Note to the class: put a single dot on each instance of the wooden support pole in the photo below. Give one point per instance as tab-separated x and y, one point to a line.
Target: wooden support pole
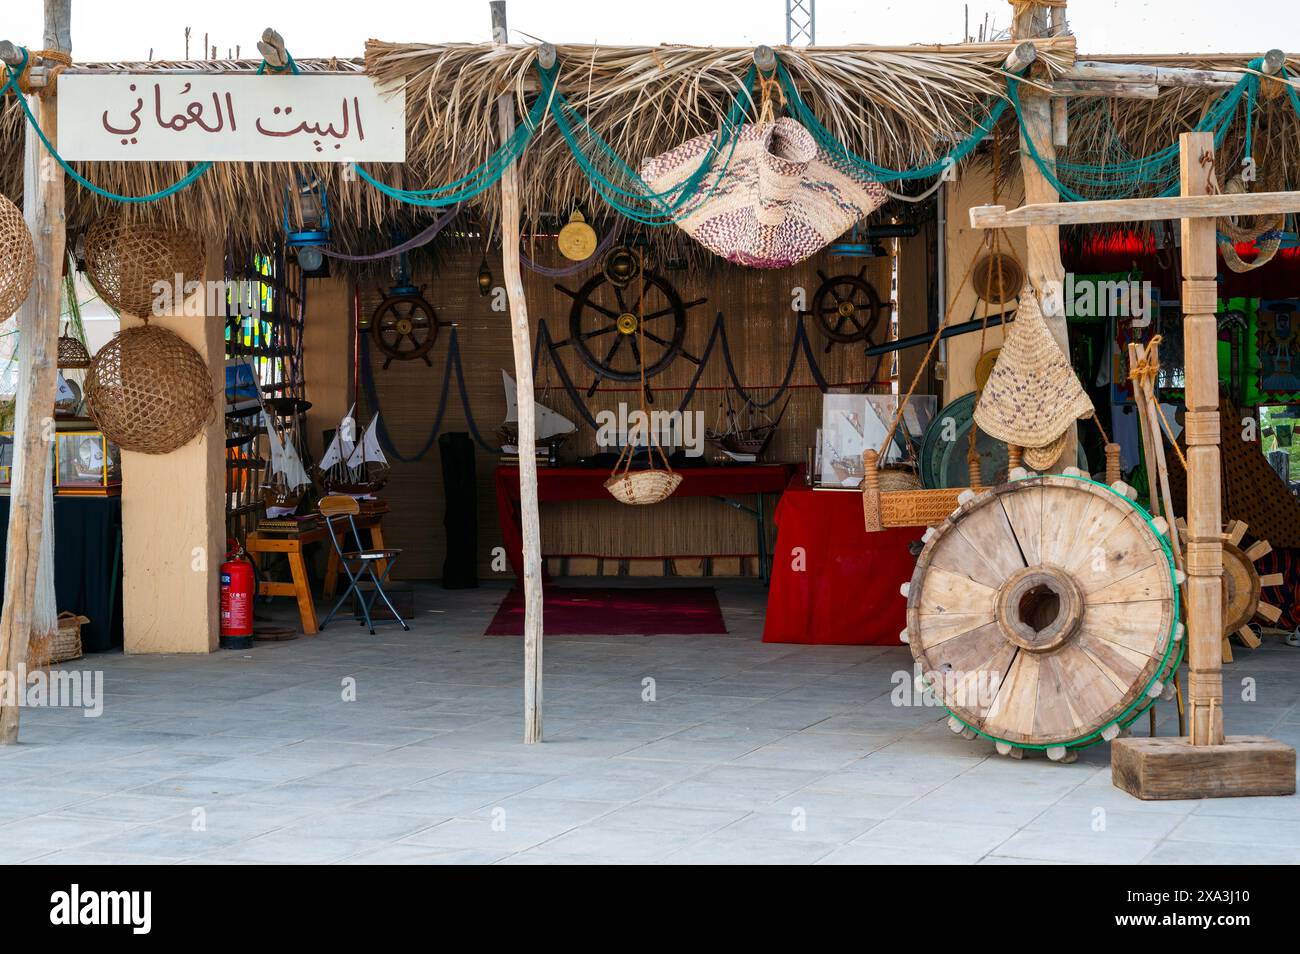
523	350
1204	516
1134	210
1043	243
38	320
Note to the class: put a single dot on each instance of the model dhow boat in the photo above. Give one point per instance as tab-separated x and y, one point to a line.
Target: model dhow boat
357	469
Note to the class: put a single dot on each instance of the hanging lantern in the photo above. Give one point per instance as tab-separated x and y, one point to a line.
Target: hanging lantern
72	354
309	230
484	278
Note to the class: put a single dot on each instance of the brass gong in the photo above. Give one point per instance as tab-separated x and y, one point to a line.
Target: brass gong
577	239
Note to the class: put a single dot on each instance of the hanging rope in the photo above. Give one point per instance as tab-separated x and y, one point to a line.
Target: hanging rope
415	241
15	73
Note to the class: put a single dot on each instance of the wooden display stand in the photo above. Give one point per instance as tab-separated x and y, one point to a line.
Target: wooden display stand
1206	763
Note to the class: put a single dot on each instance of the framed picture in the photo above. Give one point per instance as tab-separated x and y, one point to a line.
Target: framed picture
86	462
852	423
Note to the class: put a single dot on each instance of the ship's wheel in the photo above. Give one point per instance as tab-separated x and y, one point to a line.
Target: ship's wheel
405	327
606	331
847	308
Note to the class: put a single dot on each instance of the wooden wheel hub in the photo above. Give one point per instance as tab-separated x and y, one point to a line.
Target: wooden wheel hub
1042	612
1039	608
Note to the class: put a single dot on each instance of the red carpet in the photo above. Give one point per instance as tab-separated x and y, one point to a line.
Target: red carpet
615	611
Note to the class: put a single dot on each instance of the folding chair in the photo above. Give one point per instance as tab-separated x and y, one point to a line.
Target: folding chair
358	564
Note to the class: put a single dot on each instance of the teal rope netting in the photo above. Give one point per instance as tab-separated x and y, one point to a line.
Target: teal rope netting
187	179
1127	175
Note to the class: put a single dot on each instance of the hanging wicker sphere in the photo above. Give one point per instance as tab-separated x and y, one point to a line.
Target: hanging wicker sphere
72	353
17	258
149	391
124	259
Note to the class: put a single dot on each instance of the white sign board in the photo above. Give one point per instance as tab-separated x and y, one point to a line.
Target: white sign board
147	117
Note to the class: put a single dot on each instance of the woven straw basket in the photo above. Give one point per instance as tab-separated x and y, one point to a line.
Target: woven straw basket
63	645
643	486
17	258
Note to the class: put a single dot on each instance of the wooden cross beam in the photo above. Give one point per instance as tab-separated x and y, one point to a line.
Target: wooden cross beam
1134	210
1206	763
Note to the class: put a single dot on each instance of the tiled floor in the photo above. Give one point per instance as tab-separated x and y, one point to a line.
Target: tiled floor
658	749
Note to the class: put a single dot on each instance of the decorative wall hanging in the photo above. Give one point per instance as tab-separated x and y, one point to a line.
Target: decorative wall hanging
1278	340
1266	236
17	258
997	278
1033	395
577	239
149	390
780	201
847	308
405	326
621	334
1026	636
124	259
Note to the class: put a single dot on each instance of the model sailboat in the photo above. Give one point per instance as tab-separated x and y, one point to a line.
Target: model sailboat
552	428
743	435
356	468
282	491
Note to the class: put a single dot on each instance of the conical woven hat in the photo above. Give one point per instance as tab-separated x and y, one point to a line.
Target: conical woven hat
1033	394
1041	458
780	200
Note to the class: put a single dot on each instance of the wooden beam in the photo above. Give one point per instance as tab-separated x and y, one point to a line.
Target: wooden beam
520	338
1095	70
38	324
1109	90
1043	241
1133	210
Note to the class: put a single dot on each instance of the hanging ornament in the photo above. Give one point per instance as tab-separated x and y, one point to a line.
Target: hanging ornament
484	278
577	239
620	266
17	258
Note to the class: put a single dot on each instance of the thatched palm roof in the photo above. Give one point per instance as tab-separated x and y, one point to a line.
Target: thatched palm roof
901	106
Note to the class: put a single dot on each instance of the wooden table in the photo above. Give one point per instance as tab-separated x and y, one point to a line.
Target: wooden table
299	587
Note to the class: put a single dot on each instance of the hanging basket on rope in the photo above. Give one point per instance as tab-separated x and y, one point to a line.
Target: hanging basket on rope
149	391
124	259
649	486
72	354
997	278
17	258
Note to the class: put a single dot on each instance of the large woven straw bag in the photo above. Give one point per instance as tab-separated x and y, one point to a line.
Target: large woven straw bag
1041	458
149	391
125	259
781	199
1033	394
17	258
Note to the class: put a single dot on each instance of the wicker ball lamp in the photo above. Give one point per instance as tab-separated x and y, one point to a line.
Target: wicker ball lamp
149	390
17	258
125	258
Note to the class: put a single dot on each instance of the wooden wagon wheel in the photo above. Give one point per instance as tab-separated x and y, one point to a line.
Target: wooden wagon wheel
847	307
404	328
1042	613
1243	586
606	333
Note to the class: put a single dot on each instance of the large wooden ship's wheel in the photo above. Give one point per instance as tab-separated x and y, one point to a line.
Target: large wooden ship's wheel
847	307
405	327
605	326
1042	613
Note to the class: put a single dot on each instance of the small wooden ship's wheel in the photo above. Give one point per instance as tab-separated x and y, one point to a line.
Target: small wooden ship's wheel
847	308
1243	586
1042	613
606	332
405	327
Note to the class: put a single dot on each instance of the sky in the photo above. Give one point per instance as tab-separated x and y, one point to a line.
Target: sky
130	29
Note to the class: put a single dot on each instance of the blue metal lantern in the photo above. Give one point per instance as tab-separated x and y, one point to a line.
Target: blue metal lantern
307	222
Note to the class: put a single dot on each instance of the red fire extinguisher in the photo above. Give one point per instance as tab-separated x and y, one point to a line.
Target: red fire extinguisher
237	590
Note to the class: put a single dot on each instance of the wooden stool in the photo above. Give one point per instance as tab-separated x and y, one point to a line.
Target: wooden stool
292	546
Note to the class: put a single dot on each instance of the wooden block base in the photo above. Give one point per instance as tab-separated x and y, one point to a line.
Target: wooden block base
1167	768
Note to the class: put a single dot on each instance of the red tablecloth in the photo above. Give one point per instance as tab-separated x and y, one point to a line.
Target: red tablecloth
844	587
587	483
